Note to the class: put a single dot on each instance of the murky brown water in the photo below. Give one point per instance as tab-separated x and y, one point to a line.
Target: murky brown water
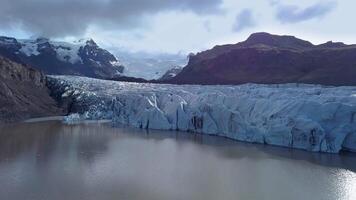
49	160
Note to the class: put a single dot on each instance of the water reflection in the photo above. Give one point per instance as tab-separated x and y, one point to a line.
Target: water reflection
47	138
49	160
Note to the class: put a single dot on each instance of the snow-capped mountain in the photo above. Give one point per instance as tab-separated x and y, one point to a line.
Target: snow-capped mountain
149	66
83	57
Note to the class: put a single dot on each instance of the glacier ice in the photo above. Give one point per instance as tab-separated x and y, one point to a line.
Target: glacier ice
311	117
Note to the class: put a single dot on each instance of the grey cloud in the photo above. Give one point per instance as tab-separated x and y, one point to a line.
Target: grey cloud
294	14
58	18
244	20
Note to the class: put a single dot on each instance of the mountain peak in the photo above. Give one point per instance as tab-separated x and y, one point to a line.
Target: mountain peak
260	36
91	42
331	44
86	41
282	41
40	40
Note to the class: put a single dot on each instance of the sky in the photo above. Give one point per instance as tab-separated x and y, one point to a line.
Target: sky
177	26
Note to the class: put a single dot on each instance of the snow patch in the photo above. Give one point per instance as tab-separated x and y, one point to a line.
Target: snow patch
29	48
7	40
115	63
66	52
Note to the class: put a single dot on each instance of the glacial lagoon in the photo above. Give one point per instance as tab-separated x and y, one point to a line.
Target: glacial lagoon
52	160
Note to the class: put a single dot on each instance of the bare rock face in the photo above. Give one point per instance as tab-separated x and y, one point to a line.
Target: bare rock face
272	59
23	93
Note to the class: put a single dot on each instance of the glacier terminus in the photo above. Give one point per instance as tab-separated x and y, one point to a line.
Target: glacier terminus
310	117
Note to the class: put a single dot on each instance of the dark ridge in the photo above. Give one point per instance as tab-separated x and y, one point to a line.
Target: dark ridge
271	59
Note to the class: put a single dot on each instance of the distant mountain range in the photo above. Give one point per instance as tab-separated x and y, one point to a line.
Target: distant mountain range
85	58
262	58
266	58
149	65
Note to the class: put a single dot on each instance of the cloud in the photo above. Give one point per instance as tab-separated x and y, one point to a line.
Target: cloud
207	25
243	21
273	2
60	18
295	14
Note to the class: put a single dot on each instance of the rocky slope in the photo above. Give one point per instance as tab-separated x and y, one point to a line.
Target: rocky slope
266	58
83	57
310	117
23	93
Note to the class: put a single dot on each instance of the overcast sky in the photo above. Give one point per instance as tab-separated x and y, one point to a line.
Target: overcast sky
177	25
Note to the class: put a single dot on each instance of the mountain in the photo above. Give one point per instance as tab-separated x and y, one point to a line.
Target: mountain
149	66
82	57
170	74
23	93
269	59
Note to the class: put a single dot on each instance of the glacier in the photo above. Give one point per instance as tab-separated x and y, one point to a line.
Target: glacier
310	117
